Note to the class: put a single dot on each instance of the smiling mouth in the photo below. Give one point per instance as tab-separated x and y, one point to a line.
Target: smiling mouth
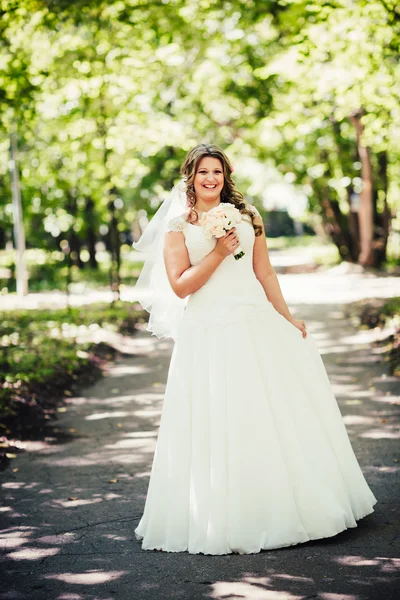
210	187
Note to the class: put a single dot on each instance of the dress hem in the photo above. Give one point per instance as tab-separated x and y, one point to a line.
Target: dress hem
310	539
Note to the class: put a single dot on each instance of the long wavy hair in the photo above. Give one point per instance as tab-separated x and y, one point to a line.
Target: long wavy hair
228	194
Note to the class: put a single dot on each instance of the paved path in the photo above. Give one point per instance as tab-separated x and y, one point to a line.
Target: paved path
69	513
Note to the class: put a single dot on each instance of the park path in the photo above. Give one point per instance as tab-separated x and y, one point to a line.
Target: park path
69	512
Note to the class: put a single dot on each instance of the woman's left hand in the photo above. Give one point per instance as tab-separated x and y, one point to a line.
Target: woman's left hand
300	325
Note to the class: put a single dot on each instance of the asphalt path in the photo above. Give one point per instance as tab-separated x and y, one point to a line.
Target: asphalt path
68	514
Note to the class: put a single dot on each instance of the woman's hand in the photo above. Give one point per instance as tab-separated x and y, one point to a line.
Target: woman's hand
300	325
228	243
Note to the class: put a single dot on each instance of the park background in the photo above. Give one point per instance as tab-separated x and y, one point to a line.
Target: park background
99	103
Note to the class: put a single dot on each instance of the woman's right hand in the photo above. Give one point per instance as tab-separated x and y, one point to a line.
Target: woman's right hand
228	243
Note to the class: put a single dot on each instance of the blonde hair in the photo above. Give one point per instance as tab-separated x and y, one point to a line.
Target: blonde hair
228	194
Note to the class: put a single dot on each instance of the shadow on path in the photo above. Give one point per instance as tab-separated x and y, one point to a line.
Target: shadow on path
69	513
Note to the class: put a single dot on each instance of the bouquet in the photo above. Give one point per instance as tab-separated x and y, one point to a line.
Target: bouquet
217	221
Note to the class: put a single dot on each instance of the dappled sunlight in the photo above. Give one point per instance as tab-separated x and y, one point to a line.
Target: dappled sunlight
294	578
307	577
114	400
251	588
329	348
131	443
61	538
115	414
74	503
336	314
382	469
14	485
13	542
142	434
33	553
72	461
107	454
364	336
359	393
382	433
12	514
359	420
343	377
386	565
12	538
344	390
349	367
334	596
88	577
143	474
353	402
148	397
116	538
145	412
387	399
119	370
315	288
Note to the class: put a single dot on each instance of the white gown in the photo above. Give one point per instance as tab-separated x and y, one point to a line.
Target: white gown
252	451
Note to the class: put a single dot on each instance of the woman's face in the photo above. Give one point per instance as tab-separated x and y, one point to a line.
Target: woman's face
209	179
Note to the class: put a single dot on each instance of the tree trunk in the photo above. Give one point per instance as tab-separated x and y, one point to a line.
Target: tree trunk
19	231
334	221
354	228
386	217
353	225
73	238
115	249
91	233
365	213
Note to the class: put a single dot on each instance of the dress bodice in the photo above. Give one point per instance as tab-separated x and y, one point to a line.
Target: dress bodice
233	284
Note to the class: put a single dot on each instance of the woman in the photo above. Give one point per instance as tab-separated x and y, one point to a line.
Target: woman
252	451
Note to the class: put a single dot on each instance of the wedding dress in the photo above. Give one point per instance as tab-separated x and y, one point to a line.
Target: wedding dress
252	451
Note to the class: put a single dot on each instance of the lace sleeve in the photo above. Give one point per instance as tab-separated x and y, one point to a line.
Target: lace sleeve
253	210
177	224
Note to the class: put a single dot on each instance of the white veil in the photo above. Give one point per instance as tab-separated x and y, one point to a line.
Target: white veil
153	289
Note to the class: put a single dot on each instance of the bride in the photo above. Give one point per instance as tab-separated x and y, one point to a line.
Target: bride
252	452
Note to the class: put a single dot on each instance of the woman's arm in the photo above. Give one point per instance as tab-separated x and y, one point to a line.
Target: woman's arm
266	275
184	278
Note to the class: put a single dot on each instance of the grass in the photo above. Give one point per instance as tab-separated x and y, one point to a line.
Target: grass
48	270
47	354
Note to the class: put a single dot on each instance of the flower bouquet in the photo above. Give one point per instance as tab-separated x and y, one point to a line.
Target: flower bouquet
217	221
